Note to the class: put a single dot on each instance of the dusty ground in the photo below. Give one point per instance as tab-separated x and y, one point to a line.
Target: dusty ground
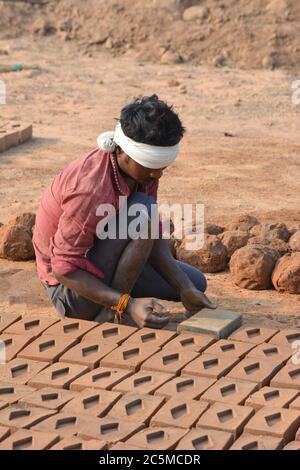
76	97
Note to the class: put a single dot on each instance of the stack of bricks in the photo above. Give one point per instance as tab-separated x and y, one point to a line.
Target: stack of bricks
73	384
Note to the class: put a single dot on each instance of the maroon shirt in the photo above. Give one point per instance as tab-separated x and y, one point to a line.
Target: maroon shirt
66	220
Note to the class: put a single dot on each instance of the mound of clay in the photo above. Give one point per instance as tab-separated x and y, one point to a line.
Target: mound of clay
243	223
15	243
214	229
271	231
286	275
252	266
211	258
233	240
24	218
276	244
294	241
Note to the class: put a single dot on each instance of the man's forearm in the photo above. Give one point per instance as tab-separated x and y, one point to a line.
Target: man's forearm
162	260
89	286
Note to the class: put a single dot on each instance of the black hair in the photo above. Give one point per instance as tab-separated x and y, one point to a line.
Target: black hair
151	121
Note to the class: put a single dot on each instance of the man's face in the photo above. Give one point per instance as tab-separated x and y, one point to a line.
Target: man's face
137	172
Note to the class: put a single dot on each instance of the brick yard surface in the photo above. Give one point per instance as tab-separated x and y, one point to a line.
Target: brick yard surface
85	386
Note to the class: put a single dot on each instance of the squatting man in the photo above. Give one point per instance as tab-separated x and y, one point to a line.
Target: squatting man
118	279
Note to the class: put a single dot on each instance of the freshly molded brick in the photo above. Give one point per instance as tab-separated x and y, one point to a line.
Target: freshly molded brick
104	378
14	344
143	382
49	398
205	439
217	323
157	438
25	439
228	390
170	361
128	356
74	443
93	402
179	412
65	424
225	417
256	369
88	353
72	328
156	338
210	366
191	341
20	371
286	337
16	416
111	332
191	388
287	377
272	396
31	326
8	319
48	348
253	334
271	351
58	375
228	348
136	407
274	421
11	393
110	429
249	442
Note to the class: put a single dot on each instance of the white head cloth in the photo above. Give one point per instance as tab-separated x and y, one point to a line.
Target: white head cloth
149	156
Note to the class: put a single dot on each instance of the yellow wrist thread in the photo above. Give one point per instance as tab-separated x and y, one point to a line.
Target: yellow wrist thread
121	307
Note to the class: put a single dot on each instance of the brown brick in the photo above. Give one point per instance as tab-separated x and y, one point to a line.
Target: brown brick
205	439
157	438
228	390
272	396
101	378
71	328
128	356
49	398
4	432
32	326
65	424
25	133
255	369
8	319
58	375
47	348
210	366
93	402
170	361
286	337
136	407
179	412
295	405
88	353
124	446
14	344
274	421
271	351
16	416
157	338
249	442
191	341
143	382
20	371
253	334
294	445
111	332
191	388
11	393
109	429
225	417
74	443
287	377
12	138
228	348
25	439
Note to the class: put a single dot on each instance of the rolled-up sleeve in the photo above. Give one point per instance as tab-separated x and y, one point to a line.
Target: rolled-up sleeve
75	235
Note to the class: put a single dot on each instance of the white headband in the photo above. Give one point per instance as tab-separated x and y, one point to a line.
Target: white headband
149	156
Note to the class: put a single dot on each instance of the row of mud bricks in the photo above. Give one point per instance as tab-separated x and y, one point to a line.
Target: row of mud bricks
79	385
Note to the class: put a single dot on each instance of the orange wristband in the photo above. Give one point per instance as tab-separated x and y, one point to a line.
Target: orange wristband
121	307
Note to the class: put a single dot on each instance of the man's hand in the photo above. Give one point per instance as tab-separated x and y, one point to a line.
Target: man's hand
195	300
141	311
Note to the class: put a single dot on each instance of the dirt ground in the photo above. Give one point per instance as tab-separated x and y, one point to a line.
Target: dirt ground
75	97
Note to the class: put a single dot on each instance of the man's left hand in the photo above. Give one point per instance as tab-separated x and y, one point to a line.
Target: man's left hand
195	300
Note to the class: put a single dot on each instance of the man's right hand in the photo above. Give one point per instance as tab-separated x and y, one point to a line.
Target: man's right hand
142	312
